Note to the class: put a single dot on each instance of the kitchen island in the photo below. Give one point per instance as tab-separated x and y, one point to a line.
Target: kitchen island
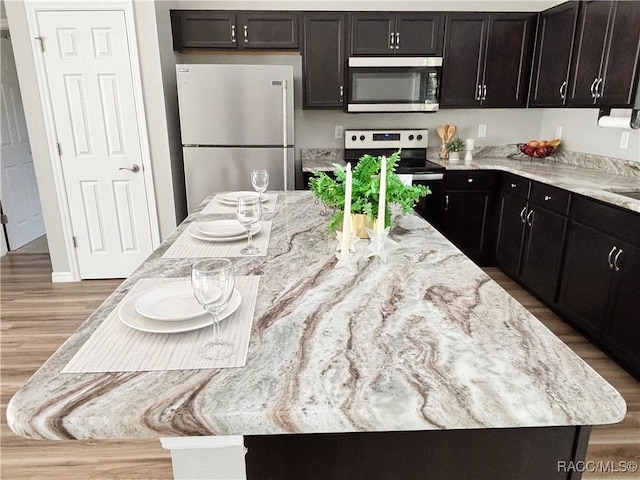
422	362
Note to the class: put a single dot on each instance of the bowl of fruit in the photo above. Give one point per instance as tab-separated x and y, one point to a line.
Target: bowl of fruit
539	148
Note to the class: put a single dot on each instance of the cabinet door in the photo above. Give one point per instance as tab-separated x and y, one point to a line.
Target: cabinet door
591	33
419	33
323	60
464	46
586	278
552	59
511	227
466	221
203	29
621	61
542	253
272	30
622	332
508	60
372	33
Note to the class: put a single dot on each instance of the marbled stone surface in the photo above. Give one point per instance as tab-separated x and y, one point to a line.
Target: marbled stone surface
321	159
426	341
596	177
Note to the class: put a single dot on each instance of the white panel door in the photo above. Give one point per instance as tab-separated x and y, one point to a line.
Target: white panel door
20	199
89	78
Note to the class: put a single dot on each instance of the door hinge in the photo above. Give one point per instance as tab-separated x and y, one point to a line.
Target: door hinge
4	219
59	149
75	242
41	42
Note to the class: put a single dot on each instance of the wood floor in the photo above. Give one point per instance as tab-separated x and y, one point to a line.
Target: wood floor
37	316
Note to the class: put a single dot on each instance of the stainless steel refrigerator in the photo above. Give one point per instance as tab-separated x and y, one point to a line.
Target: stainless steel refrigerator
234	119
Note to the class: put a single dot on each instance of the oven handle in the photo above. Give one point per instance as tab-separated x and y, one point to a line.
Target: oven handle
427	176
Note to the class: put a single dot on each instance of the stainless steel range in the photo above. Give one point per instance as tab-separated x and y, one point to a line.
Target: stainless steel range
413	161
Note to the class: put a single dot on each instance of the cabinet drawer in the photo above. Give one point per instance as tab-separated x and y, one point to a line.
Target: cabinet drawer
516	185
470	180
555	199
617	222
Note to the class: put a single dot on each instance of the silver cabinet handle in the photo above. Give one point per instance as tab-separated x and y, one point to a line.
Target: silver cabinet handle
341	93
563	90
547	198
391	40
132	168
524	209
246	34
615	260
446	202
478	92
513	185
484	92
470	180
597	88
593	93
613	249
233	34
397	40
530	218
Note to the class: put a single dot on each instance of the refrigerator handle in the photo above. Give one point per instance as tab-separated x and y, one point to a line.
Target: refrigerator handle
284	133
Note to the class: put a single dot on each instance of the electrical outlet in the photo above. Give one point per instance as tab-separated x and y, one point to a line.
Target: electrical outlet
624	140
559	131
482	130
338	131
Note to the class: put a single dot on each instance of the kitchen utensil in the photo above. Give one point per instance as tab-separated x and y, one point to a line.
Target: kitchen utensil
451	131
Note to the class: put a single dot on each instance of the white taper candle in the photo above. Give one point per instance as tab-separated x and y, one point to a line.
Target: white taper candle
346	220
383	195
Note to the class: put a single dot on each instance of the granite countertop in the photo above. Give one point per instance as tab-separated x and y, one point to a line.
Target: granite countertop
426	341
590	182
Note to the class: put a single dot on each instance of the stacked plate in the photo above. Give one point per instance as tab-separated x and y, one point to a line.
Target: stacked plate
231	198
170	308
221	231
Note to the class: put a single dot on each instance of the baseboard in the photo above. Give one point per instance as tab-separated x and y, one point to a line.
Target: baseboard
62	277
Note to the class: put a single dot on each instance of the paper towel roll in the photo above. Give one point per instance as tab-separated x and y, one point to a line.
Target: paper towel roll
614	122
469	143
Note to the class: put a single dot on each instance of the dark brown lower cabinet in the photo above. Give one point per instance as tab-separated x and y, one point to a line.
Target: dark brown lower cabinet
511	225
599	291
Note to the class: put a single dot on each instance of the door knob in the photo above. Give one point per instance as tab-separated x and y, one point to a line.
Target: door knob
132	168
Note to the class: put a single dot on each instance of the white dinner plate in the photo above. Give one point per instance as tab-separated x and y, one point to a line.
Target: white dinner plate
133	319
194	231
172	302
222	228
231	198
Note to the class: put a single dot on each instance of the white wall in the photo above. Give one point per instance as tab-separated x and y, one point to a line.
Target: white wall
580	132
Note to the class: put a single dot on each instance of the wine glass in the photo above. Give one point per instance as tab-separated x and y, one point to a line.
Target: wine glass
213	281
249	212
260	181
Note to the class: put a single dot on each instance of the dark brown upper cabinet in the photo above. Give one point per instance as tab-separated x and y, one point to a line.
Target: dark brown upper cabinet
255	30
323	59
604	67
388	33
487	59
552	58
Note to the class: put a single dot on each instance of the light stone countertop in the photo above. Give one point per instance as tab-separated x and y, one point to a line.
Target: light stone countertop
426	341
590	182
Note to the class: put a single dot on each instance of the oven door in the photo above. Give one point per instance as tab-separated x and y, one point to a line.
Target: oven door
431	207
387	85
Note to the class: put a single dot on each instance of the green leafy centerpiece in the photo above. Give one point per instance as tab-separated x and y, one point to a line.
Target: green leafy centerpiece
365	190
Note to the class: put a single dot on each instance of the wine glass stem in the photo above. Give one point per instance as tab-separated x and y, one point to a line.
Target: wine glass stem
249	239
216	329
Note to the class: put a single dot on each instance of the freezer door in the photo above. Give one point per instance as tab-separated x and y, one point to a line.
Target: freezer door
230	105
208	170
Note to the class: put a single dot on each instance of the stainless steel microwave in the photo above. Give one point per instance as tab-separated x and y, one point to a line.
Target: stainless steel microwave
393	84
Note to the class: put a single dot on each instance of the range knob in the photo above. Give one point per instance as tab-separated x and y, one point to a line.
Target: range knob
419	137
410	137
362	138
353	138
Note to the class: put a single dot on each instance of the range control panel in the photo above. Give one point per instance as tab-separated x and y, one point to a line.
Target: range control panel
356	139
